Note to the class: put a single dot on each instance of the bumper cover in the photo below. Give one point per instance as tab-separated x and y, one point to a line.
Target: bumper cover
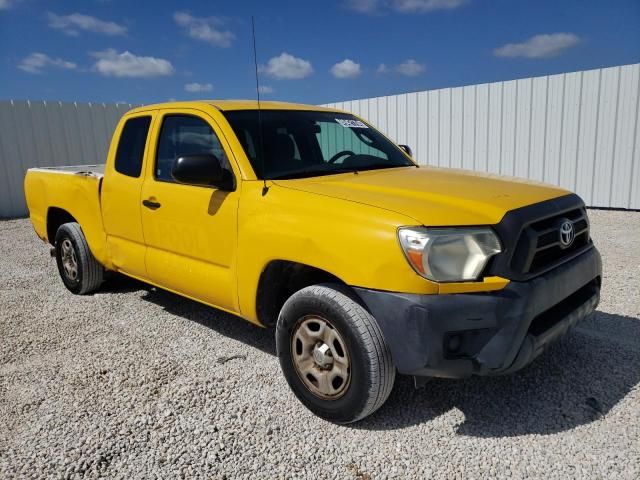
459	335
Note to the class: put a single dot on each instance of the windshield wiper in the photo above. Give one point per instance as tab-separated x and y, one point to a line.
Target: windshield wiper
380	166
314	173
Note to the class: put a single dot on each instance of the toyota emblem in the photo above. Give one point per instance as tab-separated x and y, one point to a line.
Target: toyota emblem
567	234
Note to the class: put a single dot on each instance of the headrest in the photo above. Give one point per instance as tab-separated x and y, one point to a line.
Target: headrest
284	146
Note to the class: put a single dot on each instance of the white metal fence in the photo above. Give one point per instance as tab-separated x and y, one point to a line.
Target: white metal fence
49	134
578	130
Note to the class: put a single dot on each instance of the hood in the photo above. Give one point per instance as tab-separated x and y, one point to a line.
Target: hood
432	196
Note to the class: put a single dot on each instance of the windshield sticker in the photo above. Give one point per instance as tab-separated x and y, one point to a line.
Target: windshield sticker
351	123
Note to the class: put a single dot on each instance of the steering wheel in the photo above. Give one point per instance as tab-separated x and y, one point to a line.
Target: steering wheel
340	154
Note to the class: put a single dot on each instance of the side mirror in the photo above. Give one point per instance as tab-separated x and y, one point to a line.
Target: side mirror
407	150
204	170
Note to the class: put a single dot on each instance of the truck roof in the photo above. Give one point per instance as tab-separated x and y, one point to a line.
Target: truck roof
228	105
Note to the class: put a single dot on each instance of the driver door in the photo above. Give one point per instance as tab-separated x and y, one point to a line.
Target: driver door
190	231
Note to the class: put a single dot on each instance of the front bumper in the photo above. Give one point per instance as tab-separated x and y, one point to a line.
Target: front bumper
459	335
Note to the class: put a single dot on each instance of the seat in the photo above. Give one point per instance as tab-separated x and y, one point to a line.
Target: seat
282	157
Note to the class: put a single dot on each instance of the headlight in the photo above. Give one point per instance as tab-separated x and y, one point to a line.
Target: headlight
449	254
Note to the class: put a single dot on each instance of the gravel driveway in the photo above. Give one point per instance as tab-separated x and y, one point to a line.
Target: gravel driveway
137	382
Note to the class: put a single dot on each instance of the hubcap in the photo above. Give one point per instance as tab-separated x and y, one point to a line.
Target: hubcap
69	262
320	357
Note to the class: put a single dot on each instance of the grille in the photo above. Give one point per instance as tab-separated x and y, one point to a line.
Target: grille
530	238
539	247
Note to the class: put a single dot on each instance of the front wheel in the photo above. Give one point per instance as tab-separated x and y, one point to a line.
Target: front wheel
80	271
333	354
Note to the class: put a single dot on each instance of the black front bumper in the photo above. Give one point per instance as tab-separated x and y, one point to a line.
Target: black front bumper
458	335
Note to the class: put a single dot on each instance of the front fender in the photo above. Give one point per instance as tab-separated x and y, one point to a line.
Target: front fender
356	243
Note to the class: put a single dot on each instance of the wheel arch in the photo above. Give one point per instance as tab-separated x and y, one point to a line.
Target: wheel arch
282	278
56	217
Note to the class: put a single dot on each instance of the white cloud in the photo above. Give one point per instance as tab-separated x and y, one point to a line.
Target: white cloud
72	24
362	6
206	29
402	6
410	68
37	62
382	69
424	6
198	87
346	69
5	4
265	89
539	46
113	64
287	67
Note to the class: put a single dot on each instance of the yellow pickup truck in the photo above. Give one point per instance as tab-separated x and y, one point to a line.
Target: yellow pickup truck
310	220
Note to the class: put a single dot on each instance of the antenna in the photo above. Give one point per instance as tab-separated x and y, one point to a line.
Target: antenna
265	188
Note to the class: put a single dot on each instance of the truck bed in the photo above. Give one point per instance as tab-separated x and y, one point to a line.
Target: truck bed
88	170
72	189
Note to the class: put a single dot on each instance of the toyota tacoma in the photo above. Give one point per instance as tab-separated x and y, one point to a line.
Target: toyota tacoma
310	220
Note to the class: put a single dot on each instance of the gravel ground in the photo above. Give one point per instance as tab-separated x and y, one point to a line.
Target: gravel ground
136	382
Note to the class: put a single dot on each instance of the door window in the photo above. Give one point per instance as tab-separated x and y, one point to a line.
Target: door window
131	146
183	135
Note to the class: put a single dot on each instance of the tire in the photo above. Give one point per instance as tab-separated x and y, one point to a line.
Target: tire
345	334
72	247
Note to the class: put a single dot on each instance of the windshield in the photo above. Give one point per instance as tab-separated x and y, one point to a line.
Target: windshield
306	143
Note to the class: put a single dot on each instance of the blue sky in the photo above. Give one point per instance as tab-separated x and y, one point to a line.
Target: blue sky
309	51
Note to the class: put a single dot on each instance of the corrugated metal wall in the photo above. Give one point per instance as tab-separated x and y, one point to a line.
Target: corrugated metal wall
49	134
578	130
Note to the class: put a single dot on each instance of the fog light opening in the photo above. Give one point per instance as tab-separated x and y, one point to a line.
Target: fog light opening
454	343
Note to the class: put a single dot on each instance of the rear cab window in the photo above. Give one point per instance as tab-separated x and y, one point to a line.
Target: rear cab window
133	139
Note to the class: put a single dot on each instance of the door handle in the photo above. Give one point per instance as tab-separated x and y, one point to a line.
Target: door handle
151	204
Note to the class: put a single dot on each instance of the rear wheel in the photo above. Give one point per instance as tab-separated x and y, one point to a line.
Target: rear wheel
80	271
333	354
